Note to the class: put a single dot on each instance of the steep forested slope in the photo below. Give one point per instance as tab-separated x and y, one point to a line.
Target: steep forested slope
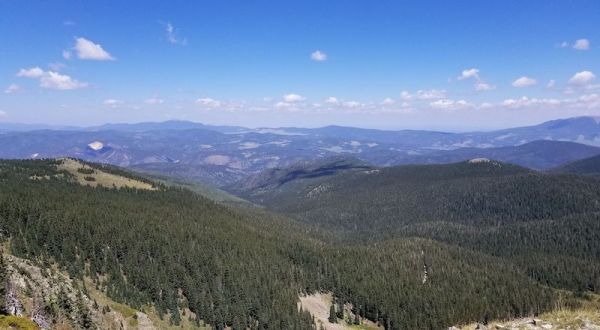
172	249
546	225
146	246
475	192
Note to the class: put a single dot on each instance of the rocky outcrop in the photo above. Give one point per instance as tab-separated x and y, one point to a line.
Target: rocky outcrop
51	299
574	320
13	304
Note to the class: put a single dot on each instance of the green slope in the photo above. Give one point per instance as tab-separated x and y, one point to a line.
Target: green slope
244	268
485	193
547	225
587	166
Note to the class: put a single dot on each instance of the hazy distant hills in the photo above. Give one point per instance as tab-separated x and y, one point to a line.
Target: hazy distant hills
221	155
541	154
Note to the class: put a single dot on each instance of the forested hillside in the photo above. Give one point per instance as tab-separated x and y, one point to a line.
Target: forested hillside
587	166
185	256
546	225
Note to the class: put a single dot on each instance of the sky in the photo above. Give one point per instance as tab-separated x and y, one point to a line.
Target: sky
445	65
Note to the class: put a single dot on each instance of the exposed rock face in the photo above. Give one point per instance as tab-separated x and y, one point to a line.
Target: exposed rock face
575	320
13	305
39	293
51	299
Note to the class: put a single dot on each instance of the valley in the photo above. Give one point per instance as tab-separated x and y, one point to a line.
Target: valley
299	165
398	247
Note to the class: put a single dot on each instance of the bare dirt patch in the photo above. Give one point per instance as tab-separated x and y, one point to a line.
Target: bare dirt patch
318	305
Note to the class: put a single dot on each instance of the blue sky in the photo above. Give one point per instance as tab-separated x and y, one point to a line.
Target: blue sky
450	65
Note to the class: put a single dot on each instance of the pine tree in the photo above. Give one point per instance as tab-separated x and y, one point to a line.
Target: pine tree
332	315
85	319
3	279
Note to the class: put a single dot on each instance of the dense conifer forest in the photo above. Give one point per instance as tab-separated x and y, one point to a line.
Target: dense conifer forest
545	225
467	256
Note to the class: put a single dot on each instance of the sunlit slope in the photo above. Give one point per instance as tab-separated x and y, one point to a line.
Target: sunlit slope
177	251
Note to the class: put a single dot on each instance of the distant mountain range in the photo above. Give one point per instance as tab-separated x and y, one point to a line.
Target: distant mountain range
221	155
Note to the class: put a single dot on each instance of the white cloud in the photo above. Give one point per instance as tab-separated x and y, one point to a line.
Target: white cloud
318	56
551	84
35	72
66	54
88	50
483	86
582	44
480	84
485	105
469	73
56	66
351	104
3	114
154	100
387	101
291	98
582	78
588	101
55	80
113	103
429	94
448	104
208	102
589	97
406	96
331	100
579	44
12	88
282	104
171	35
524	82
51	79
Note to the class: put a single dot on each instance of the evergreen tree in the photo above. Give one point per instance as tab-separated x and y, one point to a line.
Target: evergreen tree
3	282
332	315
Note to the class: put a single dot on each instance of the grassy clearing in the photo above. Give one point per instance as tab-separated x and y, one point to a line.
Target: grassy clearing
88	176
16	322
585	317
